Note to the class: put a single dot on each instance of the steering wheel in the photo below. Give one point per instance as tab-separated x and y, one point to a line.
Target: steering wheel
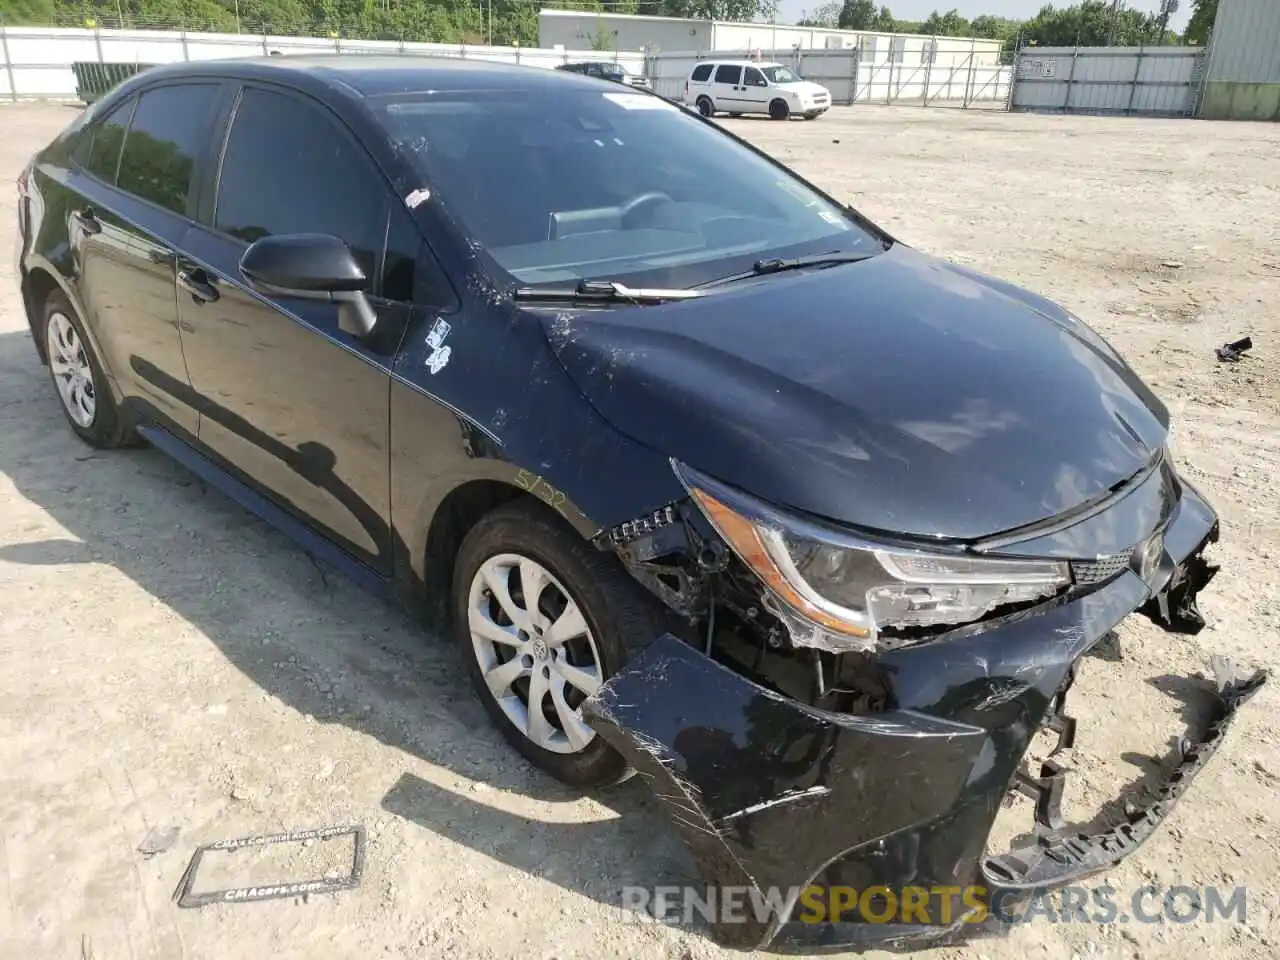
642	203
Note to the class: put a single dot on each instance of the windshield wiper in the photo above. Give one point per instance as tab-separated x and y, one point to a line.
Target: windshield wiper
783	264
604	291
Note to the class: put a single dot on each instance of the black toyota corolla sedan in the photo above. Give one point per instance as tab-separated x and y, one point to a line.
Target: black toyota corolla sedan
709	477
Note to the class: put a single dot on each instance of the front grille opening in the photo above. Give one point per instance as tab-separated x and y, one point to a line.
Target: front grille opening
1101	570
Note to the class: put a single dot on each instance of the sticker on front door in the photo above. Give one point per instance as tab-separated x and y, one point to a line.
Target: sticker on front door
439	356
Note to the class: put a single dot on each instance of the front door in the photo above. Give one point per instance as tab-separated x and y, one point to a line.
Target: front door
755	90
288	401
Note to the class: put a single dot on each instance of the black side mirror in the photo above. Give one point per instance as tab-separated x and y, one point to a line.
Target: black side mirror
313	266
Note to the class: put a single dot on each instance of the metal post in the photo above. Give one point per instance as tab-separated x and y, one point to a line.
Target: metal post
1010	94
1071	76
968	77
928	68
1137	70
888	92
97	42
853	79
185	54
8	62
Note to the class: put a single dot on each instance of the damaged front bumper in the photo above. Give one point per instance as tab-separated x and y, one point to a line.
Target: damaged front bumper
773	795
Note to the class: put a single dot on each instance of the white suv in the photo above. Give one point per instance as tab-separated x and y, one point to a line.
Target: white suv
744	86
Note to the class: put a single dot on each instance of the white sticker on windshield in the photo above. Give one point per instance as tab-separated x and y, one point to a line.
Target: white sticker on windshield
638	101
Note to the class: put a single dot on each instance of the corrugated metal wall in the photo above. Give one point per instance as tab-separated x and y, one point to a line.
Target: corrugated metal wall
1155	81
1246	42
1243	74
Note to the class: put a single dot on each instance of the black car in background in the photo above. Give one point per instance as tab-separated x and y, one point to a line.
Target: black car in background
605	70
710	478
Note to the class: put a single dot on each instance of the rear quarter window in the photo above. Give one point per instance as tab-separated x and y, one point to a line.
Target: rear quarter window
99	149
701	73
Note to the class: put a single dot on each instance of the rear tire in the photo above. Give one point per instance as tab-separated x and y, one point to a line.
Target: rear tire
706	107
542	651
79	379
778	110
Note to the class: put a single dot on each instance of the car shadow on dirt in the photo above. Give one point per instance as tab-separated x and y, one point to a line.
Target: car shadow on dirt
313	640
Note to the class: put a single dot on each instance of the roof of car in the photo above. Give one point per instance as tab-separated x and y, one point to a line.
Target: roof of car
740	63
370	76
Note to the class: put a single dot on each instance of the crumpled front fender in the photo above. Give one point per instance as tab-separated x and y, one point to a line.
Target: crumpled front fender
738	767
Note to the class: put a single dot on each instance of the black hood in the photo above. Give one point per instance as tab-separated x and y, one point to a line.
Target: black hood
898	394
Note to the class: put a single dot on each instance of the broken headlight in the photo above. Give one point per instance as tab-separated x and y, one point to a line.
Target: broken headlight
853	589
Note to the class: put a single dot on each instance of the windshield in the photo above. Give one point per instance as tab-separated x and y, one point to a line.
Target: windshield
779	75
564	184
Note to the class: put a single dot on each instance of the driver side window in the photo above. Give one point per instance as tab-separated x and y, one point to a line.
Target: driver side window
755	78
289	169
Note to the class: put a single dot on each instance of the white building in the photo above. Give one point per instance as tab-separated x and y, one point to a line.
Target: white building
581	29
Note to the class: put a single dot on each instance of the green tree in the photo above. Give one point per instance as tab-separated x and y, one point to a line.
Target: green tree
1090	23
949	24
994	28
719	9
1203	14
827	15
883	21
857	14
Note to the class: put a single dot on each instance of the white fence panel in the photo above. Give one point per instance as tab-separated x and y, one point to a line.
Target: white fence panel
35	62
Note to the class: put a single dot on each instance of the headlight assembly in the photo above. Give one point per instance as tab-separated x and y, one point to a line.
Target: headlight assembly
839	592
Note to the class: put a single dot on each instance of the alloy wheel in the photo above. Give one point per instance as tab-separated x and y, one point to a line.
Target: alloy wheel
72	373
535	650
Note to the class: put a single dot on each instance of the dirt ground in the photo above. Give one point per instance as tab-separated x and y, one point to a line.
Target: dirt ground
166	660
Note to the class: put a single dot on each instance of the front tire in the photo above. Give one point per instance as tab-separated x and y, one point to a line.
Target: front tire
533	659
78	378
778	110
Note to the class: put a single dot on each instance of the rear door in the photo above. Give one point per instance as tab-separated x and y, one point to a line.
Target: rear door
135	201
727	89
288	401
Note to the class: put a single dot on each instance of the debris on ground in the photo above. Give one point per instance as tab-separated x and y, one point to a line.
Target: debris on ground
1233	352
158	840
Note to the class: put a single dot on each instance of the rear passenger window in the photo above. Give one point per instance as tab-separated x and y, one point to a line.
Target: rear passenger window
103	145
169	129
702	72
728	74
289	168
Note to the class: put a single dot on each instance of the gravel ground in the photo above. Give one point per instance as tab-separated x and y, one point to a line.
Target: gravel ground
166	660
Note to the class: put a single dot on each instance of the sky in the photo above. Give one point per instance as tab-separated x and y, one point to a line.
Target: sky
792	10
